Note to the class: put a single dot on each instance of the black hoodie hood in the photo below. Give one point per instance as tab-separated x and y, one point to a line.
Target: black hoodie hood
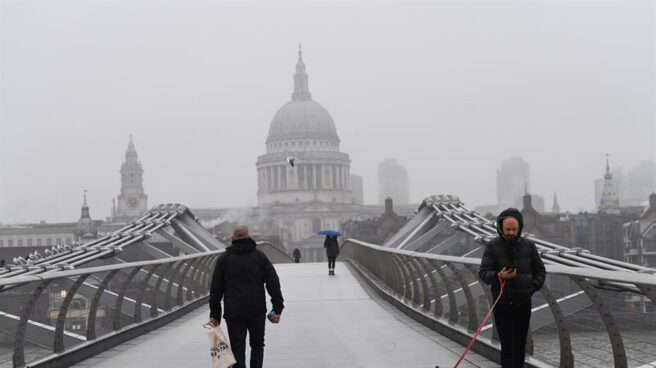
514	213
241	246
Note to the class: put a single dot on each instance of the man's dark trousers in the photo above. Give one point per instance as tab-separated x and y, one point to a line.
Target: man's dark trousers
237	332
512	322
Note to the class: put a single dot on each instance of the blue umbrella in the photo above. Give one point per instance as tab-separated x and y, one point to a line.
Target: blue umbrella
330	233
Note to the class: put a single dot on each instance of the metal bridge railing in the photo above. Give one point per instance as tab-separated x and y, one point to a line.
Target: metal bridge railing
582	316
61	318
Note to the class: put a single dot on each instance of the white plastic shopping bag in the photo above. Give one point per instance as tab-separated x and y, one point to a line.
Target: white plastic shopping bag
220	351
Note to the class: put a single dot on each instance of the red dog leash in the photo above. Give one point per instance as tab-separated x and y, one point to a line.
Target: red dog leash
502	282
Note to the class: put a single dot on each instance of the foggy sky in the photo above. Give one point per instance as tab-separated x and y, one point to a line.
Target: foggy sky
449	89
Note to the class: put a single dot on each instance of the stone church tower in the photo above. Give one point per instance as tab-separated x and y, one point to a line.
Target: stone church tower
85	229
609	199
132	201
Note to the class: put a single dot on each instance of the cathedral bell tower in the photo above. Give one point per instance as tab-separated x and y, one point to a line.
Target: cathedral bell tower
132	201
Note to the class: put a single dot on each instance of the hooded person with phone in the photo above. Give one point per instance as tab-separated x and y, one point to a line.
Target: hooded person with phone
516	261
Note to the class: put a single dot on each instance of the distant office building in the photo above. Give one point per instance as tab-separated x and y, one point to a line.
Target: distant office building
357	189
393	182
513	181
640	183
132	201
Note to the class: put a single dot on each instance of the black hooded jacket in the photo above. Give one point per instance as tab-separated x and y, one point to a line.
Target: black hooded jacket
239	278
522	253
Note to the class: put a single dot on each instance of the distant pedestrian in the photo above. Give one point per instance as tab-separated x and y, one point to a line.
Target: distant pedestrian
2	262
332	251
297	255
515	260
240	277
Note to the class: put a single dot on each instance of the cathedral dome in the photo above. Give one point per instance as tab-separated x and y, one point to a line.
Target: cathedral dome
303	163
302	118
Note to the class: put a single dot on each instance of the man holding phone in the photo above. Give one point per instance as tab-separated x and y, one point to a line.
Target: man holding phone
240	277
516	261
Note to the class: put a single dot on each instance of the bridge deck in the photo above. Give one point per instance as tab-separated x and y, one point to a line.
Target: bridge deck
328	322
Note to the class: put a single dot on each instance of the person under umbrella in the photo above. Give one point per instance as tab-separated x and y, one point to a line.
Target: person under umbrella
332	251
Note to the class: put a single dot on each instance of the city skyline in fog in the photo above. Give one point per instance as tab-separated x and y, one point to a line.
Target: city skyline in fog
448	89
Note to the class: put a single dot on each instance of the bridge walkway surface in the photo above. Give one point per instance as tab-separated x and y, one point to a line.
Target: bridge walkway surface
328	321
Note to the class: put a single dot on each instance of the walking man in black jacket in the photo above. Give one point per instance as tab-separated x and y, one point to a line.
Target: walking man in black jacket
239	278
516	261
297	255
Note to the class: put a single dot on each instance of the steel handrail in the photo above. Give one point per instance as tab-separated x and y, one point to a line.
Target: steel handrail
626	277
77	272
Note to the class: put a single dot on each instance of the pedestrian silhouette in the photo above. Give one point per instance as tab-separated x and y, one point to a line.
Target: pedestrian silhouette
332	251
